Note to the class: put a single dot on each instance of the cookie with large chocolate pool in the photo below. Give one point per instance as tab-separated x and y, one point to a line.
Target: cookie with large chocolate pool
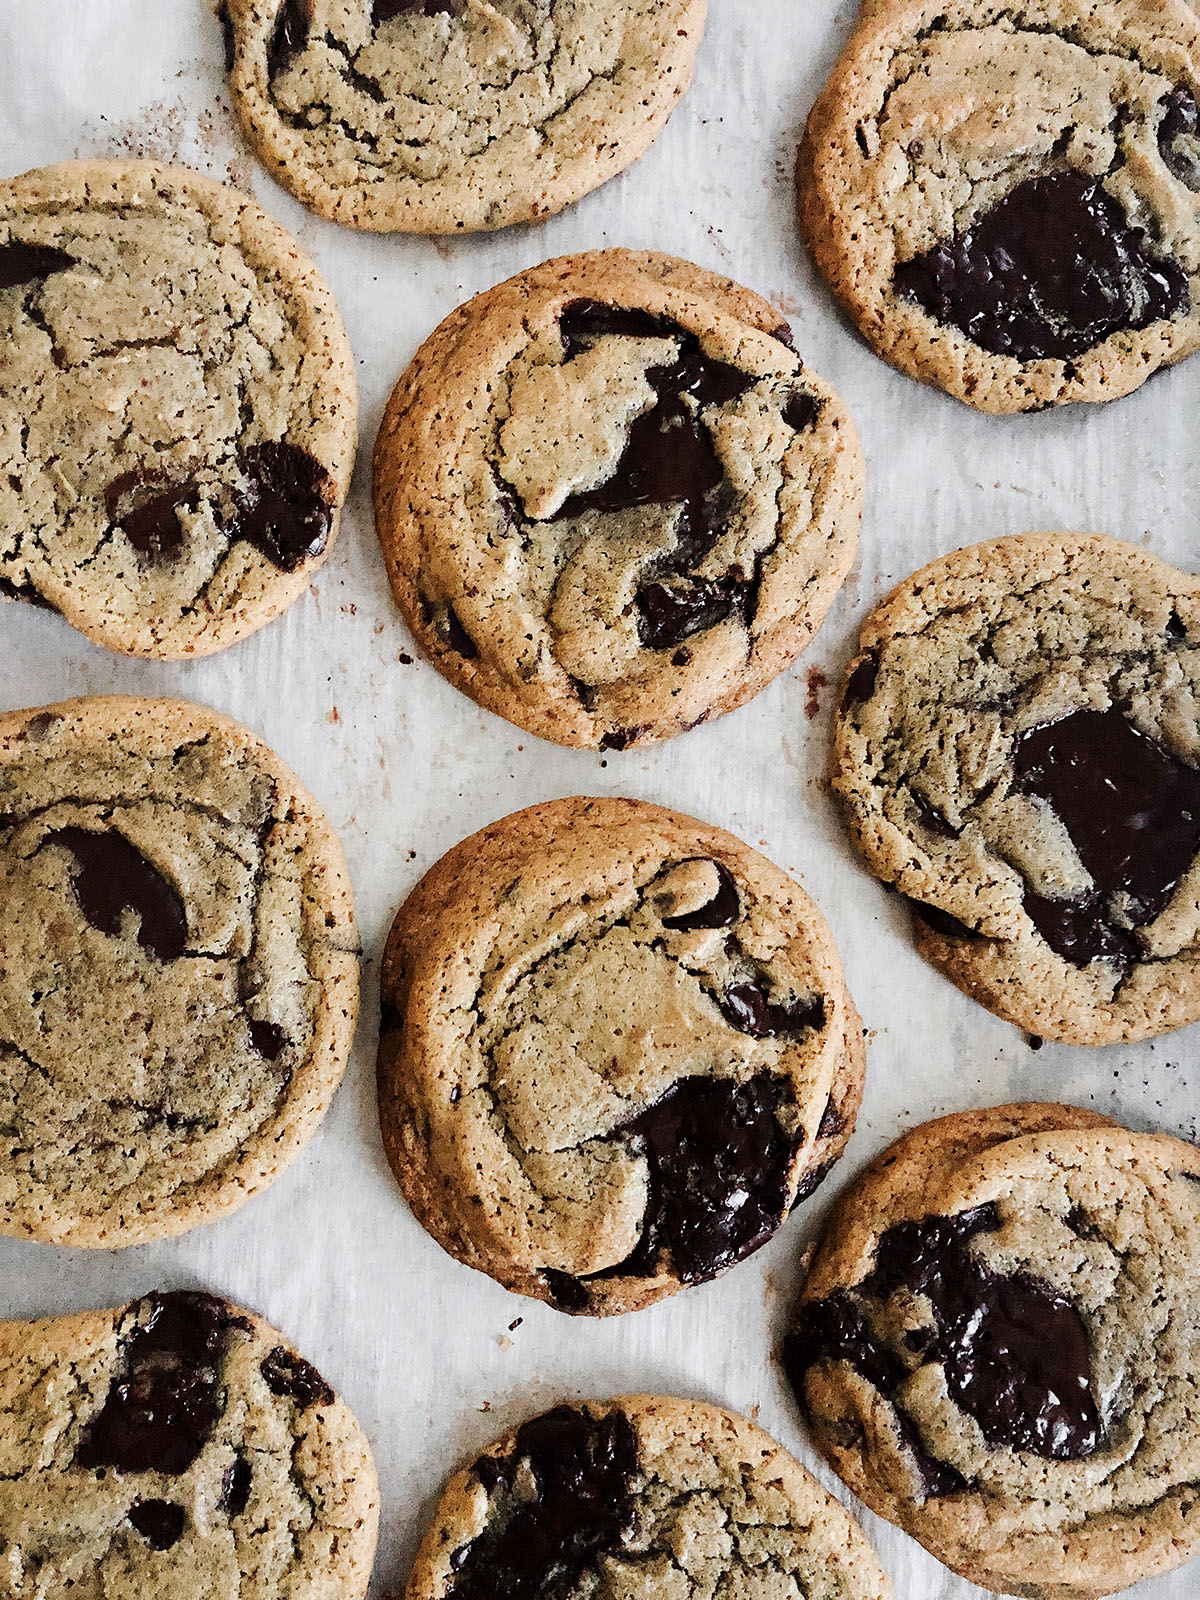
616	1051
177	407
641	1496
448	116
177	1446
178	969
1018	752
1006	197
612	499
998	1343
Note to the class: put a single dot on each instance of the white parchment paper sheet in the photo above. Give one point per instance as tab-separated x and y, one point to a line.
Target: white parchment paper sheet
419	1345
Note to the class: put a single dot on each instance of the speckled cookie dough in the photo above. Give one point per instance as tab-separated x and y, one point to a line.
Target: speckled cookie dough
636	1497
616	1050
998	1345
177	407
1018	752
447	116
613	500
178	969
1006	196
177	1448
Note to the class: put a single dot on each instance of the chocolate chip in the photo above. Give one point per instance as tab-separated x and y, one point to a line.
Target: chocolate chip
1175	628
941	921
112	877
1179	136
235	1487
746	1007
811	1182
801	412
568	1292
385	10
163	1401
1053	270
293	1378
545	1547
30	263
1077	1220
289	36
860	685
722	911
158	1521
931	818
148	514
668	614
1133	814
832	1120
283	505
1015	1354
268	1038
457	636
227	35
784	334
719	1171
622	738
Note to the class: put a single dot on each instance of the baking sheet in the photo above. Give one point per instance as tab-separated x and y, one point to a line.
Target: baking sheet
419	1345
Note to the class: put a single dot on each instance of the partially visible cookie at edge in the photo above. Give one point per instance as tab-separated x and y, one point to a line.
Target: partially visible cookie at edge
641	1495
449	116
613	500
996	1347
616	1051
177	1446
1006	198
1018	752
177	407
178	969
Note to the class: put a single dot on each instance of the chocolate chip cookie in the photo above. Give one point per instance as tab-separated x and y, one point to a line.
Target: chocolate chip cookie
641	1496
998	1345
1006	197
1018	752
612	499
449	116
177	1446
616	1050
178	969
177	407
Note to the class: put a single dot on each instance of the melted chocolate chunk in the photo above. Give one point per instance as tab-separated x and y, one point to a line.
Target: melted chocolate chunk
112	877
163	1401
811	1182
670	614
458	638
583	1473
621	738
860	685
158	1521
801	412
941	921
932	819
1133	813
719	1169
283	507
227	35
235	1487
1015	1353
290	36
385	10
293	1378
148	514
1053	269
584	321
30	263
722	911
784	334
268	1038
568	1292
747	1008
1179	136
832	1120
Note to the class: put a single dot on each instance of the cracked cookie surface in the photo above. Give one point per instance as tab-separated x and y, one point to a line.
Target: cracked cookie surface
642	1496
178	969
446	116
1018	752
177	1446
997	1347
612	499
616	1050
177	407
1006	197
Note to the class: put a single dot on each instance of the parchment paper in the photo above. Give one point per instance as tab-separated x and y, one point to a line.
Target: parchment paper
419	1345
